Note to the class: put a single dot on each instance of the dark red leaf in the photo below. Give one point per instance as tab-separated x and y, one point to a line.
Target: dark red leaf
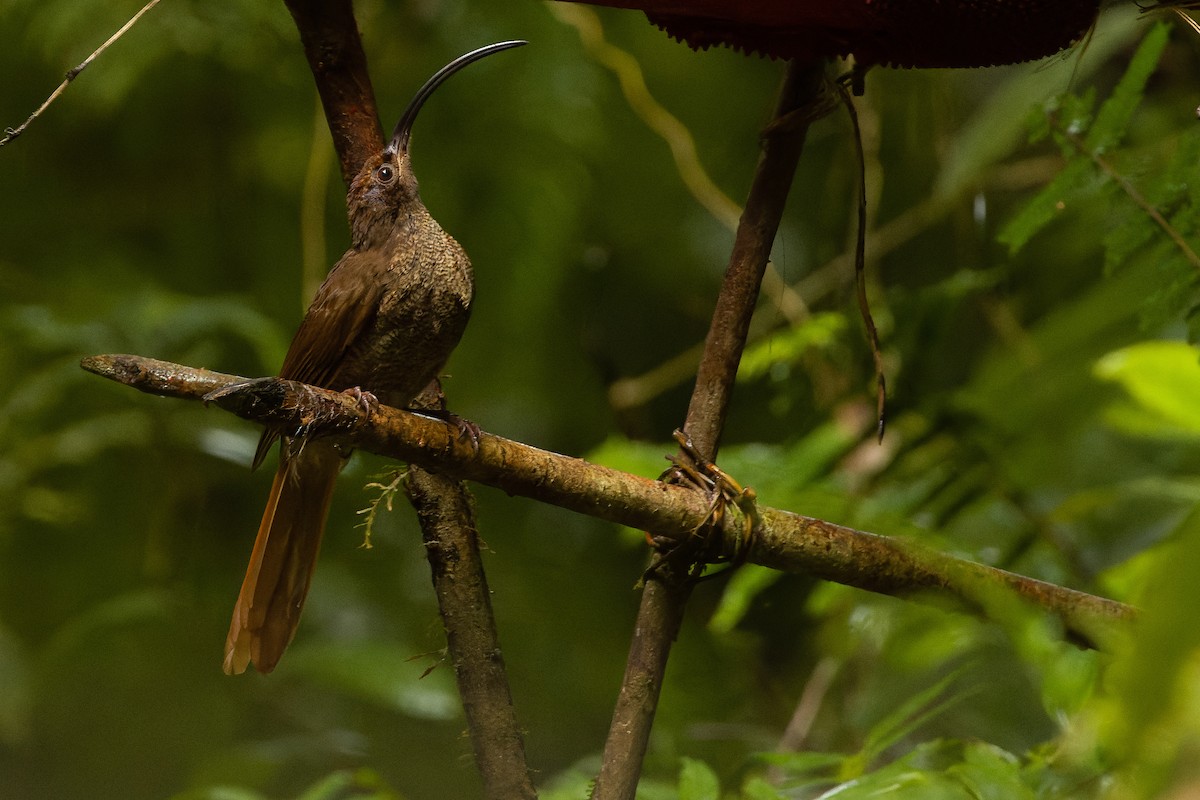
902	33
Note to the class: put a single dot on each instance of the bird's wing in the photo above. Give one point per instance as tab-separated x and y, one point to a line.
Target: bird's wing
344	308
338	316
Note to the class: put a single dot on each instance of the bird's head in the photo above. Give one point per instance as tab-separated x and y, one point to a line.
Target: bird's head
386	184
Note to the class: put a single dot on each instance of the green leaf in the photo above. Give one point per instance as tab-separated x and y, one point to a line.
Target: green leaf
801	764
991	773
1172	188
1077	177
1162	378
786	346
638	458
362	784
1153	681
746	584
756	788
909	716
697	781
1113	118
1108	128
1072	114
907	777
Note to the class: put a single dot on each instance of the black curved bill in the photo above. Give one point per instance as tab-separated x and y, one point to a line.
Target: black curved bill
404	127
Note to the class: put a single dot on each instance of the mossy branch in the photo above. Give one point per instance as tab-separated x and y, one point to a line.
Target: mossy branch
782	539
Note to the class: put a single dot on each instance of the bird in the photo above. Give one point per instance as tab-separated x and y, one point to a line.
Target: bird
381	327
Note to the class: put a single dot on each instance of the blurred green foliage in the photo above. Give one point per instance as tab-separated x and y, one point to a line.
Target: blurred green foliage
1037	323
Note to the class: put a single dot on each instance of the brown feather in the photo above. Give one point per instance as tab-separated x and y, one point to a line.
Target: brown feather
281	565
341	312
344	308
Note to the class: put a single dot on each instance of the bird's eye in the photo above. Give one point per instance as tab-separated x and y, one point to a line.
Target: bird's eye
385	174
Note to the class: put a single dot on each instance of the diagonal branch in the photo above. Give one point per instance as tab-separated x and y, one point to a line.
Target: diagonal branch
335	55
799	102
782	539
669	585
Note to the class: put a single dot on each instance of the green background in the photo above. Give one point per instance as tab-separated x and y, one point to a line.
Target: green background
1042	406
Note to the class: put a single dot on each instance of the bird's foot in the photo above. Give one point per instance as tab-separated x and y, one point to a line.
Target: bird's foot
723	491
467	431
366	400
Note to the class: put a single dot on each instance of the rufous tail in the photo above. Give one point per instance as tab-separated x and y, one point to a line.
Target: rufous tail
281	564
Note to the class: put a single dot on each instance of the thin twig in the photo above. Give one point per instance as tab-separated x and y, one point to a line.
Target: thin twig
860	267
656	117
13	133
805	714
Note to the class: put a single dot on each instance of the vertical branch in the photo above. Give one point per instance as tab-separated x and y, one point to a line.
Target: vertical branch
444	507
669	586
448	527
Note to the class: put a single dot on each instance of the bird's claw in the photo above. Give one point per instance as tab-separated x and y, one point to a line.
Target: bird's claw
467	430
366	400
723	491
